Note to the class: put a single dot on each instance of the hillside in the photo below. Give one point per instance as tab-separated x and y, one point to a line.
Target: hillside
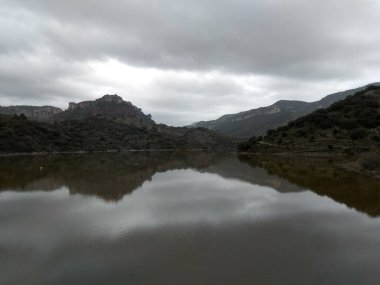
256	122
348	126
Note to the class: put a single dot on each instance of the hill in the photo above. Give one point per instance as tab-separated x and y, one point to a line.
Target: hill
349	126
107	107
256	122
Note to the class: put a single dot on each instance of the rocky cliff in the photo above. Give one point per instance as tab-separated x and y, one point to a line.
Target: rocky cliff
35	113
107	107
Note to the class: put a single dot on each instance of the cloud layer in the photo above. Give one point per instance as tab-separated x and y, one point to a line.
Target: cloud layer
184	61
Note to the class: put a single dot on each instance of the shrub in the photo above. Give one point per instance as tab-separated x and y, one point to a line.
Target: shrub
348	124
245	146
358	133
370	163
324	123
300	133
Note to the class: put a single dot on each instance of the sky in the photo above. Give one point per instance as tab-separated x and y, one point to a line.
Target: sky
186	60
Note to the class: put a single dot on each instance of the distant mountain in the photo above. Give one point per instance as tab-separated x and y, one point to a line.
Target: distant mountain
35	113
256	122
107	107
349	126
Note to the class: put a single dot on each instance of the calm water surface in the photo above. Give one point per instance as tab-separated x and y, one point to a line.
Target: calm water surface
195	218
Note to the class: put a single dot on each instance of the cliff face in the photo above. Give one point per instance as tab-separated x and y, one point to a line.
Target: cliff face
115	99
256	122
35	113
107	107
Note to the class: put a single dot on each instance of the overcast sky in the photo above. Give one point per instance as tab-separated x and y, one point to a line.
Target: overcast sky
186	60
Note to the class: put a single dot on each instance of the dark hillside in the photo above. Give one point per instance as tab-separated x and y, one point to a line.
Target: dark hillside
19	135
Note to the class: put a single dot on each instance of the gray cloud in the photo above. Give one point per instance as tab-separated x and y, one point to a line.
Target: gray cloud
307	44
26	79
178	100
280	37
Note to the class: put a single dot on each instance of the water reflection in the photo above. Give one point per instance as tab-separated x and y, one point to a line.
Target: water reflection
324	178
189	218
111	176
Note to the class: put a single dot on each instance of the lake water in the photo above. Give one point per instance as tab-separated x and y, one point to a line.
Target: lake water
187	218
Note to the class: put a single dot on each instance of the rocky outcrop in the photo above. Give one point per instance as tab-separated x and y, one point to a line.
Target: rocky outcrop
116	99
35	113
111	99
107	107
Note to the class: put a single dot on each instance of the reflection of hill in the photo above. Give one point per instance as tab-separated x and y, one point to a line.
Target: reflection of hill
232	168
109	176
322	177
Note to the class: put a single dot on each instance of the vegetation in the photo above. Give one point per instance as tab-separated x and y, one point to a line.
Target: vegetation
20	135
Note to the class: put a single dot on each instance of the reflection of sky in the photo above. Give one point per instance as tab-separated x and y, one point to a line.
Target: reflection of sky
40	223
178	197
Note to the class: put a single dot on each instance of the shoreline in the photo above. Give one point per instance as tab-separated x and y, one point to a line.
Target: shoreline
355	162
100	151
